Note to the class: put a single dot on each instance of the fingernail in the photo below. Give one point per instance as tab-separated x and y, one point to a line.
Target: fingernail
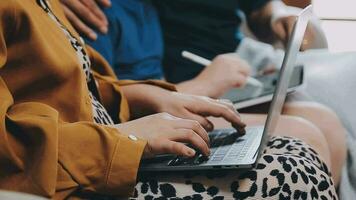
242	131
93	36
243	124
104	29
209	126
191	152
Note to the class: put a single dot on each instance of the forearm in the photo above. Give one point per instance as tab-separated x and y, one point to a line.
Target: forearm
141	98
260	21
195	87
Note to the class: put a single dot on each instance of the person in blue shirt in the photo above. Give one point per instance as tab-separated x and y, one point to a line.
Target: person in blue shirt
131	39
133	44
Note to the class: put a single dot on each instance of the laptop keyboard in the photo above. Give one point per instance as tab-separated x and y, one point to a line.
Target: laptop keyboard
226	146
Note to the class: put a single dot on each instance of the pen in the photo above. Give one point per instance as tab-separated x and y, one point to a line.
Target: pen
206	62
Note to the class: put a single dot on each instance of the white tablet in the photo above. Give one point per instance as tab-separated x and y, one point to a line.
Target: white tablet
250	95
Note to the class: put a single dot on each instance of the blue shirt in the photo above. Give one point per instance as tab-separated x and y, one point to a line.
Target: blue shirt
133	46
204	27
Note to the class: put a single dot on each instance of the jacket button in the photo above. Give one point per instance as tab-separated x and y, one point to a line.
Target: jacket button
132	137
82	40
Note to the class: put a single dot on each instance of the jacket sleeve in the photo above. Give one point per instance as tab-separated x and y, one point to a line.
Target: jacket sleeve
109	86
40	154
34	143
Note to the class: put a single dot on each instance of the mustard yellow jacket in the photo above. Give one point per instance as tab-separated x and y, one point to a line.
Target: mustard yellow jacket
49	145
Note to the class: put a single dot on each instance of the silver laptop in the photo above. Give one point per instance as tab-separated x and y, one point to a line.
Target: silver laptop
228	150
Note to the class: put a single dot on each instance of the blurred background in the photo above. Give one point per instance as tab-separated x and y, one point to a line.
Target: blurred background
338	21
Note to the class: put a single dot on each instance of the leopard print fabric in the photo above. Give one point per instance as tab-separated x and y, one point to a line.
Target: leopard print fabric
288	169
100	114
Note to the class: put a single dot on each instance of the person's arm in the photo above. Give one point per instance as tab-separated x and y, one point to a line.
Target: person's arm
259	20
226	71
155	96
110	88
148	99
274	22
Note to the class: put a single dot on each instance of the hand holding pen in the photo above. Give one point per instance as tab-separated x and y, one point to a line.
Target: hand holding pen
206	62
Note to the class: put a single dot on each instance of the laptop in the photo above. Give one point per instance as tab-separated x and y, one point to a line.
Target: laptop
228	150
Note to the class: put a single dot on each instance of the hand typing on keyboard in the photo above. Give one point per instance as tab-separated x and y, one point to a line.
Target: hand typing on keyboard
196	160
220	143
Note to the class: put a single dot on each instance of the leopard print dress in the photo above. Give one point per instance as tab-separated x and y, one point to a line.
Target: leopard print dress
288	168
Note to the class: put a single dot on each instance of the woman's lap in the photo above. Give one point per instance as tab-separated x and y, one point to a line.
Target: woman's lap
288	169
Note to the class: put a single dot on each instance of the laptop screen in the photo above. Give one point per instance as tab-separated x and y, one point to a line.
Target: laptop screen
285	74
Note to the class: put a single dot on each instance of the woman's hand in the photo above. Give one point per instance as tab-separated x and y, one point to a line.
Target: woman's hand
282	28
148	99
275	21
85	15
199	107
166	134
225	72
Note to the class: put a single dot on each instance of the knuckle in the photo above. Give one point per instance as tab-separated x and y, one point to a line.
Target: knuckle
228	102
236	82
225	109
204	122
91	2
190	134
90	16
233	81
85	30
177	147
231	107
163	115
205	98
195	125
248	70
241	81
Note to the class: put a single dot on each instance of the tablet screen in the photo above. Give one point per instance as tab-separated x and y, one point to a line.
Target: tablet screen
269	83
